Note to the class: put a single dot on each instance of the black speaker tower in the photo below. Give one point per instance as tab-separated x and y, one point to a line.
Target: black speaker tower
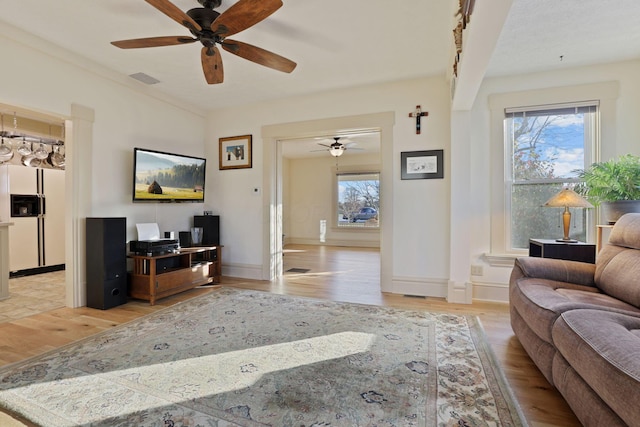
210	229
106	255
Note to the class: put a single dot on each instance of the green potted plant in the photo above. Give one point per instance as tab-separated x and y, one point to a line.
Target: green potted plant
614	185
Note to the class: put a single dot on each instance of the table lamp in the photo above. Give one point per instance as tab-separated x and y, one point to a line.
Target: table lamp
567	198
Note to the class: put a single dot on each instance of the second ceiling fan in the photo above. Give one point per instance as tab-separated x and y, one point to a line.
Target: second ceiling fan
336	148
212	28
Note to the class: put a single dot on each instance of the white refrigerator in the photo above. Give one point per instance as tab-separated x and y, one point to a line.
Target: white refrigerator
36	240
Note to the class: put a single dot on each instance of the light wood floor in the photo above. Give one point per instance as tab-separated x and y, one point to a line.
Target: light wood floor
338	274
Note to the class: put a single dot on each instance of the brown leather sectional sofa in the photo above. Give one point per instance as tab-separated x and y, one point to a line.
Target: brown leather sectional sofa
580	324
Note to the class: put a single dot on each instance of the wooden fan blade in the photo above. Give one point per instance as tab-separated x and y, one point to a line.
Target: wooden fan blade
243	15
173	12
212	65
259	55
152	42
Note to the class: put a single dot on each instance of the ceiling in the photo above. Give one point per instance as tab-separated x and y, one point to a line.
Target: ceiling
336	43
545	35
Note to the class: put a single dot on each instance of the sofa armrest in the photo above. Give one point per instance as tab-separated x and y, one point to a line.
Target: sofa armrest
579	273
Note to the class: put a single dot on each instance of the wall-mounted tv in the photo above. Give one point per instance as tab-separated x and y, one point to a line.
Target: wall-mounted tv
166	177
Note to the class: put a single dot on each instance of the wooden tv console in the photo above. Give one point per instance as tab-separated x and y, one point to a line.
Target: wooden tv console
159	276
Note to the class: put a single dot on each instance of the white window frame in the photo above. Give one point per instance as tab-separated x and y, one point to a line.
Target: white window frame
355	169
591	134
606	93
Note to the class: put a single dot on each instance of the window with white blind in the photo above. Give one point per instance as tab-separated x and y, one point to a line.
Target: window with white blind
545	146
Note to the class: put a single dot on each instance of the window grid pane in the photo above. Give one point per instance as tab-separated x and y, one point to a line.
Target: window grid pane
546	148
529	219
358	200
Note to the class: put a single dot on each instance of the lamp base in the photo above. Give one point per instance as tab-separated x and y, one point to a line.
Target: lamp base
567	240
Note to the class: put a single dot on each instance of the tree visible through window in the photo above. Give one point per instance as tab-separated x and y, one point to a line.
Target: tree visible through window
358	200
546	148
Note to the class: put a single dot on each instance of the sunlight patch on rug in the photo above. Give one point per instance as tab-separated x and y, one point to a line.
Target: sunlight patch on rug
194	378
248	358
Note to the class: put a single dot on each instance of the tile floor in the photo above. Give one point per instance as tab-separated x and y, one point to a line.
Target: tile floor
30	295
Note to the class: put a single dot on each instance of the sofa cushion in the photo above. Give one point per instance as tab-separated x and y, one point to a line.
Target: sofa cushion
603	348
541	352
585	403
579	273
541	301
626	232
618	264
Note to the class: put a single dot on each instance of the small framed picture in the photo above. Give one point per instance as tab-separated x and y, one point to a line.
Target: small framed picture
422	164
235	152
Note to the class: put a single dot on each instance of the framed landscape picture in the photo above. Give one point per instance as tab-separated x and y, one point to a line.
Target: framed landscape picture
422	164
235	152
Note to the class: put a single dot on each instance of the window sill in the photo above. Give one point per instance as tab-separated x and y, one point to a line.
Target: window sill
502	260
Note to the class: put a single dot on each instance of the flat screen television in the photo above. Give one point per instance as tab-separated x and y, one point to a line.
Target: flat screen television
166	177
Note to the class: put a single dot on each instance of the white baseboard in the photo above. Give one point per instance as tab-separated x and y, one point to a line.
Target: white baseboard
424	286
459	292
243	271
333	242
491	292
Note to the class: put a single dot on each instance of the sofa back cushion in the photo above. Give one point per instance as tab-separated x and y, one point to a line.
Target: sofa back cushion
618	264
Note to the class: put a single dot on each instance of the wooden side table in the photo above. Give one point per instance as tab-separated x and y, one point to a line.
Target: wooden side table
577	251
599	230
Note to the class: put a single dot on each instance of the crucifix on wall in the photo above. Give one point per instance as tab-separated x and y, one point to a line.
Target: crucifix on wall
417	114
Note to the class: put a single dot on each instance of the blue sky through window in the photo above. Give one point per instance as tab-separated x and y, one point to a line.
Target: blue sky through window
555	141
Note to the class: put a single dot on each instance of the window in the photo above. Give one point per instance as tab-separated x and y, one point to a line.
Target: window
358	199
545	146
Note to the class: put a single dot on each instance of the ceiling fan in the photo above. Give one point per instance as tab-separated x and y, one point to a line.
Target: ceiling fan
336	148
211	29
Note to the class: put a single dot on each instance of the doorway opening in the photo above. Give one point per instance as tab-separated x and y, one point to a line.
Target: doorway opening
332	202
273	183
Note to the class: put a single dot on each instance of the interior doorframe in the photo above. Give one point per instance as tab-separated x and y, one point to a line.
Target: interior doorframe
78	185
78	142
272	183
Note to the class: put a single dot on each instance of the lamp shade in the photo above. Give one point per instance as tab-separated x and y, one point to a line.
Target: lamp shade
567	198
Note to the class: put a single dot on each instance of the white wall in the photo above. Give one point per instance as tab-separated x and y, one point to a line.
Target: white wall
128	114
124	118
621	134
112	115
310	199
420	207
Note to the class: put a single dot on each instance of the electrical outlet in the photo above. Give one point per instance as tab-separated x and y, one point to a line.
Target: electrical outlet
476	270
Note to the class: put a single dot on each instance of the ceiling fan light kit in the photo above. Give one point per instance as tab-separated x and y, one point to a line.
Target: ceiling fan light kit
336	151
211	28
337	148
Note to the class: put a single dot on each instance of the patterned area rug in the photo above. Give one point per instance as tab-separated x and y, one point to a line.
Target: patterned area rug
249	358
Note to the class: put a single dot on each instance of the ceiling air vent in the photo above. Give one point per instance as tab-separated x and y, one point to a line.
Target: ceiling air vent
144	78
